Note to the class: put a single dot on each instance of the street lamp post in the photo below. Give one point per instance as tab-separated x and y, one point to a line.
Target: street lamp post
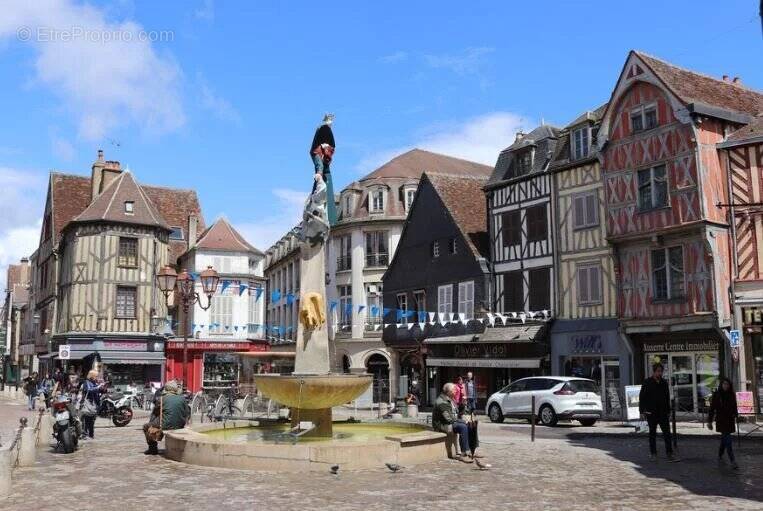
185	286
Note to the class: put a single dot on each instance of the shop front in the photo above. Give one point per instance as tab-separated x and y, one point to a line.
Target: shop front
122	361
212	366
494	358
752	318
594	348
692	365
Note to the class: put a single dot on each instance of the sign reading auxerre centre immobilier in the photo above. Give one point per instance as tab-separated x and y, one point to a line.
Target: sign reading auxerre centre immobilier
666	346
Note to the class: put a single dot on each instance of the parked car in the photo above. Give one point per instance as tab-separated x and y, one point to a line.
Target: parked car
556	397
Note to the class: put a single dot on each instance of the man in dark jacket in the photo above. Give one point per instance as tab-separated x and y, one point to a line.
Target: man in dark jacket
654	404
445	420
171	411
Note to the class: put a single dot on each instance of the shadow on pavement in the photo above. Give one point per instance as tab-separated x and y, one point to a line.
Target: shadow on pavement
698	471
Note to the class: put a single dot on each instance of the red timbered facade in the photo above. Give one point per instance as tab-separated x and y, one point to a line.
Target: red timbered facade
663	183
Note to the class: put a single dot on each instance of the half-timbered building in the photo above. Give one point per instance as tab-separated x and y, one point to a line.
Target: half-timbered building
585	339
742	156
103	240
663	181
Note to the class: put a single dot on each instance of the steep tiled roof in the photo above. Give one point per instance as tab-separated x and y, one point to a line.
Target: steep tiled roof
176	205
222	236
70	195
416	161
17	281
562	156
693	87
110	205
465	201
752	131
543	138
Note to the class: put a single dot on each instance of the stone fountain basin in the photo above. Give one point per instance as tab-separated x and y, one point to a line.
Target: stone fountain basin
312	392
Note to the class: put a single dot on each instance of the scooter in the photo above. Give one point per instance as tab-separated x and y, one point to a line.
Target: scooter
117	406
66	425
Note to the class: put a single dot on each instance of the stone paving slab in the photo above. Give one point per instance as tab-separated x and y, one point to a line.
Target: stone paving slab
581	471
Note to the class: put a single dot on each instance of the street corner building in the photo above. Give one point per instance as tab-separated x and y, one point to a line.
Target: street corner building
102	242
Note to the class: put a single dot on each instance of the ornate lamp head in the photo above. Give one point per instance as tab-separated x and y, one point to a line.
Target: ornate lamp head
166	279
209	280
185	284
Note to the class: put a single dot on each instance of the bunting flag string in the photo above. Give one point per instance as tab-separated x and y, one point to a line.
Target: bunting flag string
258	293
242	288
333	304
374	311
275	296
226	284
194	275
289	299
360	308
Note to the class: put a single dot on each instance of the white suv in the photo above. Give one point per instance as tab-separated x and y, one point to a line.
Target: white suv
556	397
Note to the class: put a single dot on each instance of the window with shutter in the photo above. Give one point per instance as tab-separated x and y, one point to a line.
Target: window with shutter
128	252
585	211
445	299
513	292
589	284
540	290
511	228
466	299
126	302
537	223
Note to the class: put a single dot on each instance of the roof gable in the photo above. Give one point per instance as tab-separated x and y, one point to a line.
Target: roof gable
417	161
542	140
465	201
222	236
111	205
69	196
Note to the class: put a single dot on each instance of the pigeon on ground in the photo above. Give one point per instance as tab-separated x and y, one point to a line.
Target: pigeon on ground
481	465
335	469
393	467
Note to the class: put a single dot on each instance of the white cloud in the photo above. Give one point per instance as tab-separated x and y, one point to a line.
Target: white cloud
106	73
394	58
62	148
22	193
219	106
206	12
477	139
287	213
466	62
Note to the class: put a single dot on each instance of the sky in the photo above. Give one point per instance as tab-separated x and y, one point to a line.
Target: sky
224	97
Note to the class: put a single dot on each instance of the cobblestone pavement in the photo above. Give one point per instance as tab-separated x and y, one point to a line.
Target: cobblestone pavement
583	470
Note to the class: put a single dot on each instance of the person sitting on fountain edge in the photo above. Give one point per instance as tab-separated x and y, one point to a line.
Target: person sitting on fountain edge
171	411
445	420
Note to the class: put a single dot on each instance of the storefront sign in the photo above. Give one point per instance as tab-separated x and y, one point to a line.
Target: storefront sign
631	401
512	363
124	345
668	346
745	405
586	344
480	350
753	316
212	346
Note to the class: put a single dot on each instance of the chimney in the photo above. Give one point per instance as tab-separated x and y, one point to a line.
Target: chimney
736	80
193	227
725	78
520	136
104	172
24	260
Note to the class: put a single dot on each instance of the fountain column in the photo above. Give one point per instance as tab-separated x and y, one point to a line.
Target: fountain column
312	349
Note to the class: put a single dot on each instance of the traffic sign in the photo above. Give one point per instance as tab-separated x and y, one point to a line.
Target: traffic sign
734	338
64	352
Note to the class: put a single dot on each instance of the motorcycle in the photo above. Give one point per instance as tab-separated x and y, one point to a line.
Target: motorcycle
66	425
117	406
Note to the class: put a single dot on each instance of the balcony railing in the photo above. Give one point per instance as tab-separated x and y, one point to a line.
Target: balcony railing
375	260
343	263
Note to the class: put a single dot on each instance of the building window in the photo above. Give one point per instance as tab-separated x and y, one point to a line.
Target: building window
376	249
253	316
420	302
224	264
452	245
221	311
344	249
128	252
347	206
511	228
377	201
126	302
444	300
402	307
643	118
589	284
374	306
540	289
129	207
177	233
410	193
513	292
523	161
345	306
537	223
652	188
580	143
668	273
466	300
47	230
435	249
585	210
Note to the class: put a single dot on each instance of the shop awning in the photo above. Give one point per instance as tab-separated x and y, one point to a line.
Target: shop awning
514	333
132	357
451	339
266	354
512	363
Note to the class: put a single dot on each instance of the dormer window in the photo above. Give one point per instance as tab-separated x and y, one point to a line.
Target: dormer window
129	207
377	201
643	118
580	143
409	192
177	233
347	205
524	162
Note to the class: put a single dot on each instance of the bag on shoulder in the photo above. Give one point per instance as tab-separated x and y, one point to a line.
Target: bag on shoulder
89	408
155	433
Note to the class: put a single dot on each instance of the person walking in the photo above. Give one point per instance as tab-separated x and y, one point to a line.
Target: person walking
445	420
723	409
471	393
31	384
460	390
171	411
47	384
90	402
654	404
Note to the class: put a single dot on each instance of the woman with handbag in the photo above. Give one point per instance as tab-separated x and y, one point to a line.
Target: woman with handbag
91	400
723	409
